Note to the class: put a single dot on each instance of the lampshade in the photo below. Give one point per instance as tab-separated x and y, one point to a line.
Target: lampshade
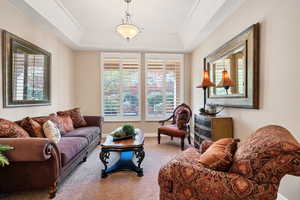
226	82
205	81
128	31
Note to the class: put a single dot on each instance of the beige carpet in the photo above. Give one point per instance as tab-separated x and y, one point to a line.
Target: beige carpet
85	182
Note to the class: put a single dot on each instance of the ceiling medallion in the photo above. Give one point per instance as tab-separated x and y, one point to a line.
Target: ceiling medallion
127	29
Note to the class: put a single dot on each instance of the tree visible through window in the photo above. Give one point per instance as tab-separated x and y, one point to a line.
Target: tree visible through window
163	84
121	86
122	83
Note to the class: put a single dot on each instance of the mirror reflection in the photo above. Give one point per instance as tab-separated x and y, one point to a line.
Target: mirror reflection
234	62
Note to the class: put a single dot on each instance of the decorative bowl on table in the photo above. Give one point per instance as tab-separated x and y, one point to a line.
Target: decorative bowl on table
123	133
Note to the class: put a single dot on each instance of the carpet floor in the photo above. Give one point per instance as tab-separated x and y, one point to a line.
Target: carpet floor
85	182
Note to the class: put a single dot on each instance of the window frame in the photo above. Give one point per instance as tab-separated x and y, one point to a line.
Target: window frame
10	41
121	118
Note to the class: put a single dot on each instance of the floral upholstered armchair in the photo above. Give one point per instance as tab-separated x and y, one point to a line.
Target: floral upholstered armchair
257	168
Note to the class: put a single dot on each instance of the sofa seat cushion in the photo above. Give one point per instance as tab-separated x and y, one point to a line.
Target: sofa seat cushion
70	146
90	133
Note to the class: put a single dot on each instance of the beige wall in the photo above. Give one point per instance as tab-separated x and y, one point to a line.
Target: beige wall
279	70
62	74
88	89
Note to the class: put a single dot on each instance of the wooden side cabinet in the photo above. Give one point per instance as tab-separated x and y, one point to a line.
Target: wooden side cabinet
211	128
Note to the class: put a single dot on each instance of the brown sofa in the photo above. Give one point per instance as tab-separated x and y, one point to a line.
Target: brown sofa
37	163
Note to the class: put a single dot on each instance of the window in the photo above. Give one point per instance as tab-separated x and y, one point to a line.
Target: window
164	87
26	73
121	84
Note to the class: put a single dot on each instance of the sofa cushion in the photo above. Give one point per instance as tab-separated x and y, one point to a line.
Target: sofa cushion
11	130
32	127
76	116
70	146
54	118
90	133
267	155
67	123
51	131
219	155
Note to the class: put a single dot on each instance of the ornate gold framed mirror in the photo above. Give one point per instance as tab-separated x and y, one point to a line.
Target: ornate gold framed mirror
238	59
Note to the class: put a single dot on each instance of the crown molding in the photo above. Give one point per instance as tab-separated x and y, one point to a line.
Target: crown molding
63	24
199	25
203	18
68	13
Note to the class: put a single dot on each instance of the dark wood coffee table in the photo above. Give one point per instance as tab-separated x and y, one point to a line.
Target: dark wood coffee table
128	149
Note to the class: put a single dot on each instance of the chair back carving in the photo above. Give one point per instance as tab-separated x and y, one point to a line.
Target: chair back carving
180	108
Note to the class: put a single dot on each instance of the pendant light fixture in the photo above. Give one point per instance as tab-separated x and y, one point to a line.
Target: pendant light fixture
127	29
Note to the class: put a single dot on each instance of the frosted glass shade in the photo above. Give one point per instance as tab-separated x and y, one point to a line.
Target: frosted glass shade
128	31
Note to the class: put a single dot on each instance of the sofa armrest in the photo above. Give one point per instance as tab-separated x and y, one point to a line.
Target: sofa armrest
183	180
94	121
30	149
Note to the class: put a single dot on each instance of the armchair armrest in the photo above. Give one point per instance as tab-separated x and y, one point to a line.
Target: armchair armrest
162	122
30	149
94	120
185	181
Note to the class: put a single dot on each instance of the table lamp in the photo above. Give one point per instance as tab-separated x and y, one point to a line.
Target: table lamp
206	83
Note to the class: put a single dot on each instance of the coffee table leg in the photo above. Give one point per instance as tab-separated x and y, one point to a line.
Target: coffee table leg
140	154
104	156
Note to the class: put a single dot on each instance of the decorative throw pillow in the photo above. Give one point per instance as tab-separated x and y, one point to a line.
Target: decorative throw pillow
11	129
67	123
54	118
220	154
41	120
205	145
77	118
51	131
182	118
58	121
32	127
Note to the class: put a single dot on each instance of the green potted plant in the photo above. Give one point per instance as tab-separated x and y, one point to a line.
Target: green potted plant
124	132
3	160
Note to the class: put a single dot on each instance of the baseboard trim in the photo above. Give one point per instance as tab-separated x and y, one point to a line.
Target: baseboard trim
281	197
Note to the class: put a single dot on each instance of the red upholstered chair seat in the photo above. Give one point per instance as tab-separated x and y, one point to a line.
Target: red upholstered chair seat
171	130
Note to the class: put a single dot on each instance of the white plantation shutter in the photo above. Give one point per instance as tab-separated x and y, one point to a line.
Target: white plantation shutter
121	86
18	75
164	87
28	70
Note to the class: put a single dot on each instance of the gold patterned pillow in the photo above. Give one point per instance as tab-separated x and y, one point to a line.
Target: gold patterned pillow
32	127
219	155
11	130
76	116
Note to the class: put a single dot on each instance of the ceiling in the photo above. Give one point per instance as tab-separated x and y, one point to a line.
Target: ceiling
167	25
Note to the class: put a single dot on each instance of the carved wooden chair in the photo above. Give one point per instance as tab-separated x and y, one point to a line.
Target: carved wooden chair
179	127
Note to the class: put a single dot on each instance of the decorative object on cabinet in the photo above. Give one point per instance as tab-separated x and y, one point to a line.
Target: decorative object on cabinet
26	73
211	128
235	65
